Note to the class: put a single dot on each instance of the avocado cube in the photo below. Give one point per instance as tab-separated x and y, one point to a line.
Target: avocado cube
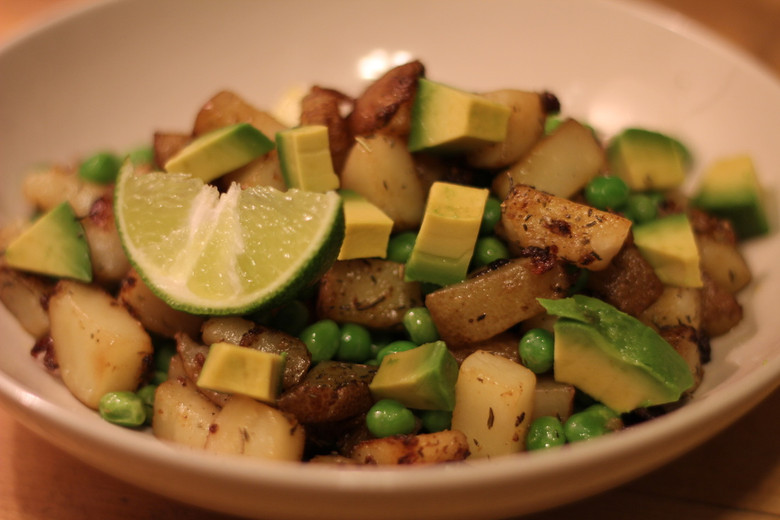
422	378
648	160
613	357
54	245
367	228
447	119
730	189
669	246
243	370
305	159
220	151
448	233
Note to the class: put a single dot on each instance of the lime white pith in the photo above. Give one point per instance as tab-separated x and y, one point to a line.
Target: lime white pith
208	252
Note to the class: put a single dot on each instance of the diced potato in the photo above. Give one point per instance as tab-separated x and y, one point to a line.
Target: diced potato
724	263
190	358
109	261
263	171
381	169
579	233
553	399
155	315
684	341
370	292
227	108
502	344
675	306
425	448
99	345
251	428
168	144
494	400
524	129
491	302
720	310
24	295
47	188
561	163
181	413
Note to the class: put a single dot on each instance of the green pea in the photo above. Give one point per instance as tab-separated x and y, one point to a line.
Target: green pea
101	168
551	123
389	417
396	346
354	343
545	432
146	393
436	420
592	422
420	326
322	338
400	246
291	317
606	192
641	208
489	249
123	408
490	216
536	349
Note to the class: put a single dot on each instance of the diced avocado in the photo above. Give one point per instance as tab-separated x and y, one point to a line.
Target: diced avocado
613	357
243	370
220	151
422	378
447	119
54	245
730	189
648	160
669	245
449	230
305	159
367	228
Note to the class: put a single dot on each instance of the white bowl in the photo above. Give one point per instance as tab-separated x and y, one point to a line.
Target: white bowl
109	75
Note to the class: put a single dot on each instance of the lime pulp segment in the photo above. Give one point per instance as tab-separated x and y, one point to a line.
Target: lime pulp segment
208	252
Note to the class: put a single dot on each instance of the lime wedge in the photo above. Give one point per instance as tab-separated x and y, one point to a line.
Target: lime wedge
207	252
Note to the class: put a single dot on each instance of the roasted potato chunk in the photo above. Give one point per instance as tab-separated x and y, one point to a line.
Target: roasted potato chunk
425	448
323	106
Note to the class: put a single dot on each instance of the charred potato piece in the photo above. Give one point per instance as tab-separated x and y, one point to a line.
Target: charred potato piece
227	108
386	104
684	340
109	261
155	315
425	448
332	391
192	355
370	292
583	235
618	283
322	106
503	344
495	300
720	310
47	188
25	296
720	257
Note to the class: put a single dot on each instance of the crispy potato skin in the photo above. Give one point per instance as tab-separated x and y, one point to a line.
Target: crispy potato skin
425	448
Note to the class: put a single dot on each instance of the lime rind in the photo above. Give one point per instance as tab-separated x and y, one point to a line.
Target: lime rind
236	252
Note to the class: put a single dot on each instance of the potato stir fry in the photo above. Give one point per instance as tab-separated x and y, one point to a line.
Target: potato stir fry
508	279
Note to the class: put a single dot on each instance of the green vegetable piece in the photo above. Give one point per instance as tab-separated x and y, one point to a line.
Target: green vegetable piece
641	207
447	119
489	249
647	160
606	192
536	349
354	343
389	417
730	189
669	245
400	246
54	245
614	357
490	216
146	393
436	420
545	432
143	155
394	346
164	350
420	326
123	408
305	159
594	421
100	168
322	338
422	378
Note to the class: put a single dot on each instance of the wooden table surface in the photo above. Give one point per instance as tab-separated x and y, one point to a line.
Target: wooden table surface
735	476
